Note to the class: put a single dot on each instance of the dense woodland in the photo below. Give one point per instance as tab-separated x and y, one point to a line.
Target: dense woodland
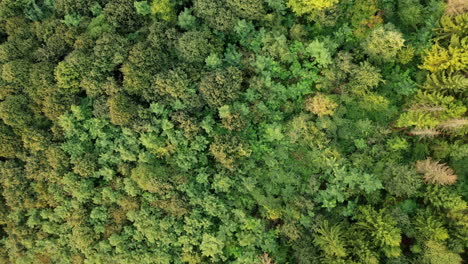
233	131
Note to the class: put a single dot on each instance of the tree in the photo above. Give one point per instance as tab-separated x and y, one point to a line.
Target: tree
211	246
152	178
430	110
364	78
82	7
452	59
401	181
16	72
227	150
195	46
122	15
142	7
15	112
320	105
330	239
301	7
382	229
320	53
233	131
437	253
110	50
365	16
142	64
221	86
410	12
265	259
56	40
122	110
456	7
164	9
383	43
435	172
233	118
253	9
186	20
453	84
215	13
452	25
70	72
9	142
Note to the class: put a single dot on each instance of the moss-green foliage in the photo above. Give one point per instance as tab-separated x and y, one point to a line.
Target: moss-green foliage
235	131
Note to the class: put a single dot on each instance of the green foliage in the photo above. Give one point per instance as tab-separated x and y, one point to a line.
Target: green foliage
122	15
236	131
452	59
346	183
383	43
253	9
186	20
364	17
430	228
121	109
319	52
401	181
213	61
211	246
452	25
330	239
320	105
442	107
221	86
410	12
10	143
435	253
382	229
72	20
142	7
364	78
431	110
228	150
151	178
163	9
215	13
447	83
195	46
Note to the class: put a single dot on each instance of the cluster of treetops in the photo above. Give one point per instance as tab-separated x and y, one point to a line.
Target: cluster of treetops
233	131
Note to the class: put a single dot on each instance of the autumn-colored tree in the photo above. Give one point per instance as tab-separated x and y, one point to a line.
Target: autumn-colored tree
435	172
383	43
320	105
452	59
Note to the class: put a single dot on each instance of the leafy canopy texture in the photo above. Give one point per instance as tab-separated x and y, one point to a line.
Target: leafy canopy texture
435	172
233	131
301	7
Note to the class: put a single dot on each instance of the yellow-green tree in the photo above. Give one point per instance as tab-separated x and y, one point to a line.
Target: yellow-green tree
303	7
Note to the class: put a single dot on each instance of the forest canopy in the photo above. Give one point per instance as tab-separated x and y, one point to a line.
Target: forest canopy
233	131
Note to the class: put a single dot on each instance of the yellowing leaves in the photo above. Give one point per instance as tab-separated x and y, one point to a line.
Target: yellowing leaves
163	9
320	105
301	7
454	58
